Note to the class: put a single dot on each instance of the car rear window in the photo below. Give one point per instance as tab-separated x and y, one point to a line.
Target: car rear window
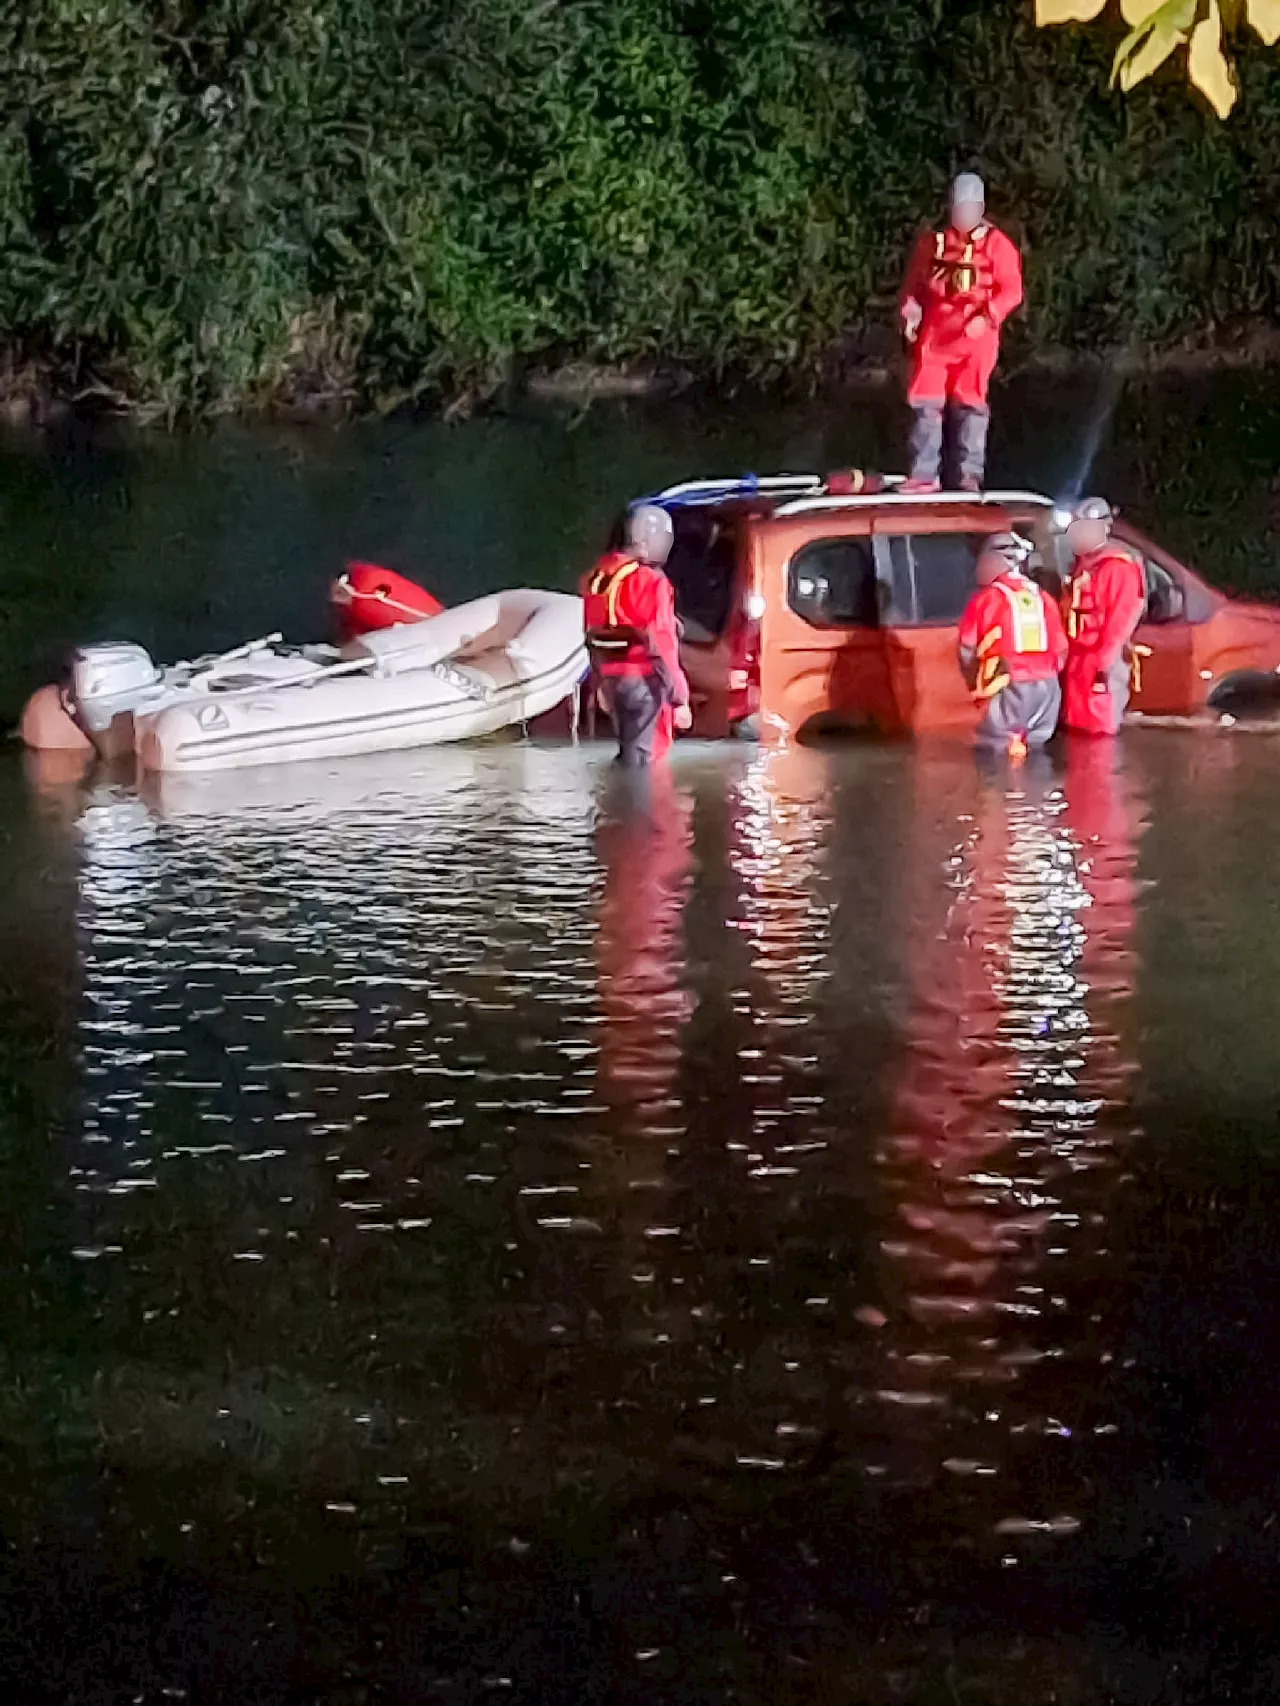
831	583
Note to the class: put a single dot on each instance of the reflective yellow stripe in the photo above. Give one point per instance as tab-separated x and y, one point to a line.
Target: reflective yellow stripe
1076	588
992	678
964	272
610	583
1136	655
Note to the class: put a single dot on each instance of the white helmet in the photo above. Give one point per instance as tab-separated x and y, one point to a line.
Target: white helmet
650	533
1015	548
968	187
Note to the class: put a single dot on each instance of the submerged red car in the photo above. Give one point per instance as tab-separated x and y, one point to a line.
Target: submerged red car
808	605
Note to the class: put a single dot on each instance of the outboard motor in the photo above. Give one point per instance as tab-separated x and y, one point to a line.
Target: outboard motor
108	684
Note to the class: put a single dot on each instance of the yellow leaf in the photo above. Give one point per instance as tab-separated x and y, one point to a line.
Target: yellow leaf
1264	17
1208	65
1159	44
1068	11
1136	12
1147	47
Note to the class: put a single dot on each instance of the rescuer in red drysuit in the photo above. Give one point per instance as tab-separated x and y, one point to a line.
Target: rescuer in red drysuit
961	285
1012	648
634	639
1103	602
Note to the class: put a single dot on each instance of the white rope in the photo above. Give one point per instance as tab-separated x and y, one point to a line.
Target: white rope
345	593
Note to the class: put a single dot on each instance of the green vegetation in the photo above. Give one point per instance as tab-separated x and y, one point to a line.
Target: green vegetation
207	203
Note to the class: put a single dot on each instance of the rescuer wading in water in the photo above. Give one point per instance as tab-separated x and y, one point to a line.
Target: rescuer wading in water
1011	649
634	639
962	284
1104	600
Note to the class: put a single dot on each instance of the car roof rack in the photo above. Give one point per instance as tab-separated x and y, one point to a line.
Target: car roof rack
805	493
743	485
863	500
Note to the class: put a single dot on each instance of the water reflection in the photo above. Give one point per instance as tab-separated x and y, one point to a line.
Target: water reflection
780	814
1007	1131
644	845
782	817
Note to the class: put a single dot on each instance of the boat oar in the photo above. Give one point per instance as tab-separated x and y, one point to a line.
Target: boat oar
348	666
244	651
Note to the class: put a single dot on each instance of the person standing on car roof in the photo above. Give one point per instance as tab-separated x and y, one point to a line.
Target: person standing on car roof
634	639
1104	600
1012	648
962	284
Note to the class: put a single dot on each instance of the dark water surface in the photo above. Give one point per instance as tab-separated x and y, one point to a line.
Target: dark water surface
805	1233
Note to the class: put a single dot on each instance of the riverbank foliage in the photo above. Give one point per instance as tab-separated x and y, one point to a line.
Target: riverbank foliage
207	203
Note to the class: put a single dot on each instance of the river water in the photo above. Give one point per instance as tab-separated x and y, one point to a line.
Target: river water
802	1231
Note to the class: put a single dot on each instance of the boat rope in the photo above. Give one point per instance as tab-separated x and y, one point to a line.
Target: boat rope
345	593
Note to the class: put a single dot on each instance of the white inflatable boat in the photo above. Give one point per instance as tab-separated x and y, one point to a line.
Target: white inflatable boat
470	671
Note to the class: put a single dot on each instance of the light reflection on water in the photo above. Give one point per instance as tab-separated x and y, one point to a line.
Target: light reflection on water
477	1115
1007	1132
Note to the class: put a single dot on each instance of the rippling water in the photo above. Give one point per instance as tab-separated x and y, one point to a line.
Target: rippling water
783	1233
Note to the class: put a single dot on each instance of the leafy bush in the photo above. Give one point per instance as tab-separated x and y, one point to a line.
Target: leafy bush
208	202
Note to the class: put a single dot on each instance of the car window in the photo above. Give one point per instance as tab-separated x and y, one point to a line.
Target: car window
932	575
1166	601
831	583
944	573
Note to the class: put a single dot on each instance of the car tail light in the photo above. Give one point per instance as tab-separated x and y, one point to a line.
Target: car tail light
744	645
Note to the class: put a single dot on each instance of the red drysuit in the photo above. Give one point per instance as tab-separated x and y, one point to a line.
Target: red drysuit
1104	601
967	286
630	619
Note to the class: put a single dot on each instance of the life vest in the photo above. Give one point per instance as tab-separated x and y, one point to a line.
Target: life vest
1080	615
1024	631
962	266
613	645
